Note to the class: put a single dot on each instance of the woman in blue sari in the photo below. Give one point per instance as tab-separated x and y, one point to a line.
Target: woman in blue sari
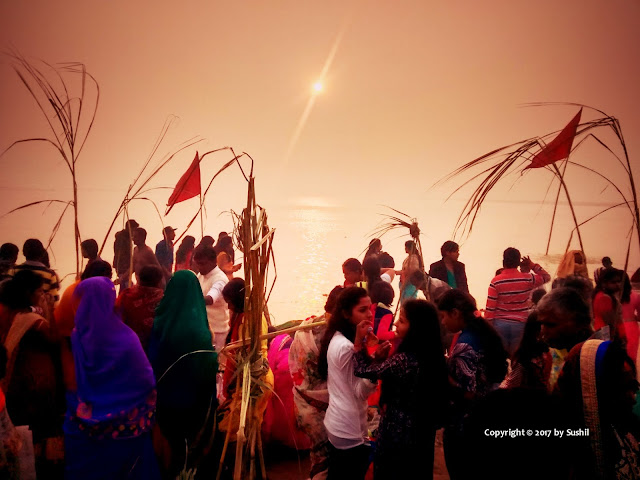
110	415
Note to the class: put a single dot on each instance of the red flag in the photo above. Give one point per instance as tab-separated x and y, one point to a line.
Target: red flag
188	186
559	147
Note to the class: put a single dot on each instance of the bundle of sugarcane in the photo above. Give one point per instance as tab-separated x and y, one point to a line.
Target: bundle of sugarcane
254	239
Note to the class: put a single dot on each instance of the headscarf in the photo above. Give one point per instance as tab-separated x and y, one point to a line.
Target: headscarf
568	265
112	371
179	328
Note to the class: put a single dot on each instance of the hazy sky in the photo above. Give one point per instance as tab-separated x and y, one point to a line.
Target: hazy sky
414	89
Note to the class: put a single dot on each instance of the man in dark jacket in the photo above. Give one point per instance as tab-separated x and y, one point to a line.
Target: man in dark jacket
449	269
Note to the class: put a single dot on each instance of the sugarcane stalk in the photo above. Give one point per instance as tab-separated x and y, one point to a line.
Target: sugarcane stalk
263	468
226	441
252	453
268	336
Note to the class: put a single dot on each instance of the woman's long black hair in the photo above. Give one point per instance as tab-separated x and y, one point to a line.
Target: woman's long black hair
233	293
606	275
374	244
371	269
188	244
494	352
531	346
423	341
339	322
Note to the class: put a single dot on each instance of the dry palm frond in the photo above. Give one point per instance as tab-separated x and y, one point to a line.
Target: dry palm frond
517	157
70	118
31	204
397	222
614	124
401	222
490	177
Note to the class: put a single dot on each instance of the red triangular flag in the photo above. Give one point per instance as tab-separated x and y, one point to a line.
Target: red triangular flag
188	186
559	147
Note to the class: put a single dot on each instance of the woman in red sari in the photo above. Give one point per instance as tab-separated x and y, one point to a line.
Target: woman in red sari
138	304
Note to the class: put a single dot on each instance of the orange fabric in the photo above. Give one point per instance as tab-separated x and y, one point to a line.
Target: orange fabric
65	312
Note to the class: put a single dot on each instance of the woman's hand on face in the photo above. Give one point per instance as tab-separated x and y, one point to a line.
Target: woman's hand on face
382	352
363	330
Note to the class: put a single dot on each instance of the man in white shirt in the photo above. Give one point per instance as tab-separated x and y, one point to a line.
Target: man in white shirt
212	281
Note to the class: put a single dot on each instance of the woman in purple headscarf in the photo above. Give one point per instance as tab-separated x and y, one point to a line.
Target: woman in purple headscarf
109	418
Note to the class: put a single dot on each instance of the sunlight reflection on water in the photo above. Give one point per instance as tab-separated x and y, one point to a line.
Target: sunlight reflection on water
304	264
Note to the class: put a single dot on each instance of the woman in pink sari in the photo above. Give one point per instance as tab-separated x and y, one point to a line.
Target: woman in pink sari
280	419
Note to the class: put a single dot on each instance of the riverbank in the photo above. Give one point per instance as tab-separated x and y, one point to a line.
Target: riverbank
288	464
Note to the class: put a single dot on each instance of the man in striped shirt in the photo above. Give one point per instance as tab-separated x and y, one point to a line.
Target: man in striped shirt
508	297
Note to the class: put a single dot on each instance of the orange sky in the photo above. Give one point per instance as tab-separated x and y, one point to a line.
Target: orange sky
414	90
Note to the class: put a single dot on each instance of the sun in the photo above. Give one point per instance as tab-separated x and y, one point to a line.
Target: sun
317	87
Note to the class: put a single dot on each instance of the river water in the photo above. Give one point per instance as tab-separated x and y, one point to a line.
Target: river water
315	235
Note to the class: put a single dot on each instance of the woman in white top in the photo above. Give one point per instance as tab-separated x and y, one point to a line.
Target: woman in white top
346	416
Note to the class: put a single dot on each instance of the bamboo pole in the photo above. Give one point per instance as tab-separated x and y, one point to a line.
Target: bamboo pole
201	220
573	213
227	437
252	453
626	260
555	208
237	472
263	468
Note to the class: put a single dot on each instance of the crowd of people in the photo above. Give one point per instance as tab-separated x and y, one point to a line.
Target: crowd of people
541	383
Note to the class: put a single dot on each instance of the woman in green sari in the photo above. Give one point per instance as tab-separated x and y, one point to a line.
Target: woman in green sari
185	365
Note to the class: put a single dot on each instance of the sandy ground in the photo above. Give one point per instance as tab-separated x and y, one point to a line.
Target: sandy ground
286	464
